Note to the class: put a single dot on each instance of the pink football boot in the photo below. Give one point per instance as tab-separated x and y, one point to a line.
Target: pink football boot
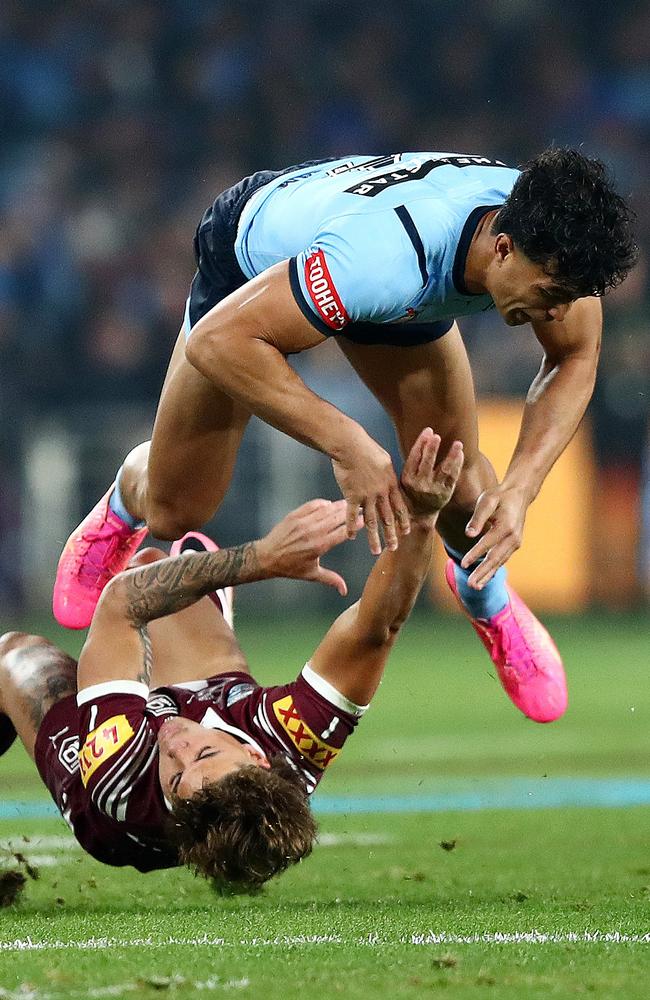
527	660
95	552
194	541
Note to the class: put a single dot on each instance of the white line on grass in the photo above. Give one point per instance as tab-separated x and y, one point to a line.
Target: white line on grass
369	940
119	989
70	844
353	839
42	861
36	843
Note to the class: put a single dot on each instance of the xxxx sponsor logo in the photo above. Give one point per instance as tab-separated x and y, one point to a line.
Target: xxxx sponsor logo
102	743
323	293
310	746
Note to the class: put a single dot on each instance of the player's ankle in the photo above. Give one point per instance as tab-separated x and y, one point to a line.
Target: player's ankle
485	603
118	506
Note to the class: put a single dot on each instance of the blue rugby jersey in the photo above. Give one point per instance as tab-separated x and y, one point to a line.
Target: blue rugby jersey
375	239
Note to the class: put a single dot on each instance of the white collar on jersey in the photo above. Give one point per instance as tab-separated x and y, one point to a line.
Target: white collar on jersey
211	720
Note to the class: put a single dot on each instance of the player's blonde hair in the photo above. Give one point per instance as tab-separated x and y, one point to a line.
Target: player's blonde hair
247	827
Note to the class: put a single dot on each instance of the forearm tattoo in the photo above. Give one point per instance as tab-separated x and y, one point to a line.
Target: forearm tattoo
167	586
147	656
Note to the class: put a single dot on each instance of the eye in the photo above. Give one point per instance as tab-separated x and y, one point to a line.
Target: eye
175	781
207	752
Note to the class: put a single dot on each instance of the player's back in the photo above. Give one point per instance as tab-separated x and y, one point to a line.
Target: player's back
287	214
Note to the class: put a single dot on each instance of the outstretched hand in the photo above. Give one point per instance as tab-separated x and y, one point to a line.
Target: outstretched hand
500	513
429	487
368	482
293	548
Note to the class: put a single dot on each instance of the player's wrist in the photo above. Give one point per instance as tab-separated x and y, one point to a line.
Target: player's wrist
423	523
420	506
349	443
524	484
263	553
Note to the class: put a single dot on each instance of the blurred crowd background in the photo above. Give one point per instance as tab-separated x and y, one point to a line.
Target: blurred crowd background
120	122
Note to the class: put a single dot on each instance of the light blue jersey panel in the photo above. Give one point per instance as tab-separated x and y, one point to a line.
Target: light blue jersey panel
375	239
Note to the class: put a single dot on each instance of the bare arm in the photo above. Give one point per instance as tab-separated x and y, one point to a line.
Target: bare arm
559	394
353	654
242	344
554	407
118	645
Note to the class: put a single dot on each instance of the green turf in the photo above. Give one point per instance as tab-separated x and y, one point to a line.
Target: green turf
356	919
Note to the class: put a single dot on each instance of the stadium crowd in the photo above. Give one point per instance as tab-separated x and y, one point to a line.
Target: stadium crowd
121	120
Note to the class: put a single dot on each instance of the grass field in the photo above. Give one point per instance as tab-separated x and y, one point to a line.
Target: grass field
493	902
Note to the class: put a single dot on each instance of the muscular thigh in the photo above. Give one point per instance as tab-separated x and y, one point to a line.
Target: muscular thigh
196	435
429	385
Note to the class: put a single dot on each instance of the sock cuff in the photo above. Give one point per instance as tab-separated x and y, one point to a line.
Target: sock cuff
117	505
457	558
453	553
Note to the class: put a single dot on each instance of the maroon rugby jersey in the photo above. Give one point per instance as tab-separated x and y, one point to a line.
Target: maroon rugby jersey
113	799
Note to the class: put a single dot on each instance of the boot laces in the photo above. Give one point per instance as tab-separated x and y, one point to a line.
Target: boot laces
100	558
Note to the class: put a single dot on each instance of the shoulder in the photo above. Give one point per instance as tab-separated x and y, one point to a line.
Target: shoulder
117	743
309	722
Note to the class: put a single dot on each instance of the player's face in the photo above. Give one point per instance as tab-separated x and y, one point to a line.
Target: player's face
524	292
191	756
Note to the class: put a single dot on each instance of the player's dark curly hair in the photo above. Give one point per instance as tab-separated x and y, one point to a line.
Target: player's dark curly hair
564	212
247	827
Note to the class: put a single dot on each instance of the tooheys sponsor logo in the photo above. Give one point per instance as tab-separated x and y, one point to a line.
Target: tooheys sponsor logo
323	293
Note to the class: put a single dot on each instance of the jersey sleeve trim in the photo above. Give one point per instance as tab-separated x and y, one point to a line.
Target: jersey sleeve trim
329	692
112	687
302	303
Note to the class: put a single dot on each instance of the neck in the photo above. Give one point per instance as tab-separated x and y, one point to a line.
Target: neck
479	255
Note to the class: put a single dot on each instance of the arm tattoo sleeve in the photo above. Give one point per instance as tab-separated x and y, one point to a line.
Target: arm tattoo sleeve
170	585
147	656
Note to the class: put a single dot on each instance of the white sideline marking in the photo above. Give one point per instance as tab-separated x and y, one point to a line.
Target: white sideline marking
369	940
70	844
353	839
214	983
42	861
32	849
36	843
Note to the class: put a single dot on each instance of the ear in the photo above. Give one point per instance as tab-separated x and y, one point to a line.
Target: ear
258	758
503	246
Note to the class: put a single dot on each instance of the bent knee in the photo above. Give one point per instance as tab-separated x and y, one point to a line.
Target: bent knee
169	523
18	640
146	556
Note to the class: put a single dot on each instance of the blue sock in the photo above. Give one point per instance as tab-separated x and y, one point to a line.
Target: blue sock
480	603
117	505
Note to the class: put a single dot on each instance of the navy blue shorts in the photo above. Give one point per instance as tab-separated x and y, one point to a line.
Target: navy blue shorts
218	273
